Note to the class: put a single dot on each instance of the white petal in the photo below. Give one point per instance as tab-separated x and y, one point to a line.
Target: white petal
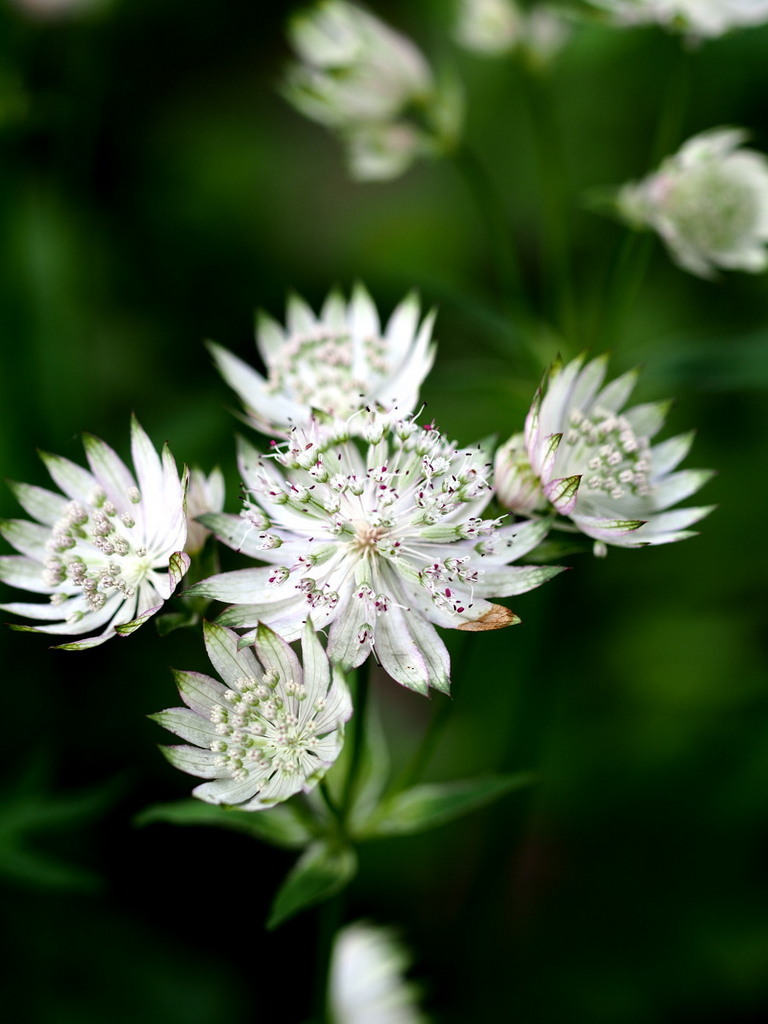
18	571
228	791
73	480
28	538
410	650
45	506
199	692
615	394
587	383
666	456
110	471
187	725
232	665
193	761
364	320
679	486
276	656
647	420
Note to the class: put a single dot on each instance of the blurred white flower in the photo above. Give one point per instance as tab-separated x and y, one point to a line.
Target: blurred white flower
334	364
109	551
497	27
366	983
204	494
380	545
489	27
695	18
595	464
709	203
371	85
269	730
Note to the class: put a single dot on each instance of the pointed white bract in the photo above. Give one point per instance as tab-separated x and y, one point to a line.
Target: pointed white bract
367	983
365	81
595	463
269	727
333	364
108	550
379	543
708	202
697	19
494	28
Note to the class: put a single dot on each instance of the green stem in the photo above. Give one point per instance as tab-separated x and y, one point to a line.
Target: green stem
356	739
329	918
490	206
511	288
442	708
556	270
331	912
625	278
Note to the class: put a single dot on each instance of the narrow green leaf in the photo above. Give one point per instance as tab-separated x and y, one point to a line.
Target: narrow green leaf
281	826
427	806
320	873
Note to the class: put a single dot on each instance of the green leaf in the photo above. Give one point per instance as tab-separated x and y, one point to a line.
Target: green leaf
175	620
30	812
557	548
283	825
427	806
320	873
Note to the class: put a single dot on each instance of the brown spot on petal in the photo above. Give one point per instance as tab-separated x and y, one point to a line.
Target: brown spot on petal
497	617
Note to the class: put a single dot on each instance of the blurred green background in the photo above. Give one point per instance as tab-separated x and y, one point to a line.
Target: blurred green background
154	191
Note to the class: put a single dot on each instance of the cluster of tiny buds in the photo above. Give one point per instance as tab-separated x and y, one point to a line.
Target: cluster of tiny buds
72	559
260	729
331	356
621	461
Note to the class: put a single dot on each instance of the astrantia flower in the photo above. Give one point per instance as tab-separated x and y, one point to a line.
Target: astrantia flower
497	27
366	81
709	202
380	545
336	363
108	551
595	464
696	18
269	730
366	984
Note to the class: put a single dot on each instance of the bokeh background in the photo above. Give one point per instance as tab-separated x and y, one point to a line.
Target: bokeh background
155	190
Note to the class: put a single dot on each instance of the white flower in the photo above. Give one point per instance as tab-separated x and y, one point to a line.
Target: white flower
204	494
336	363
596	465
496	27
709	202
269	730
109	551
696	18
361	78
366	984
380	545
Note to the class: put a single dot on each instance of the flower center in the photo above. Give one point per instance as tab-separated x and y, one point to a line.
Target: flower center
367	537
92	552
319	369
618	461
259	729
